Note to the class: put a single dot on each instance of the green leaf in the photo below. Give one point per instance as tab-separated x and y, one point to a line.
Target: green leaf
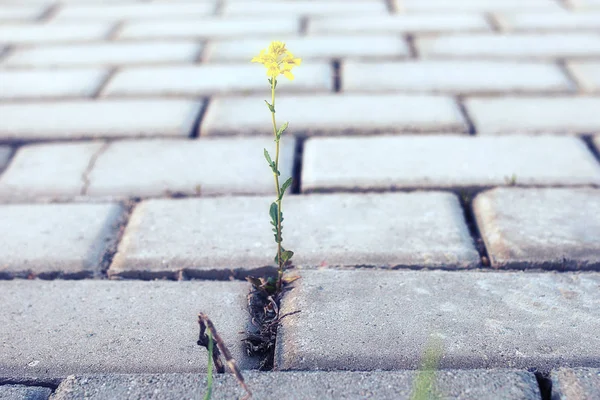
273	212
281	129
268	158
287	255
271	107
286	185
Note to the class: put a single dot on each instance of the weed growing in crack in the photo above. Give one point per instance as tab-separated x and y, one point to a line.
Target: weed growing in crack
263	300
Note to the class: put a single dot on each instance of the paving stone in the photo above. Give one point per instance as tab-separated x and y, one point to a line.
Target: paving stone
475	5
541	228
21	13
14	392
300	7
587	74
108	53
130	168
452	76
313	47
586	4
342	230
32	84
481	320
50	33
553	21
399	24
213	79
508	115
48	171
5	153
383	385
335	114
217	27
550	45
90	119
445	162
58	328
596	141
576	383
50	240
133	11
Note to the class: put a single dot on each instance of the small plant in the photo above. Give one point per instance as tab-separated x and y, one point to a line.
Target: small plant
424	384
279	61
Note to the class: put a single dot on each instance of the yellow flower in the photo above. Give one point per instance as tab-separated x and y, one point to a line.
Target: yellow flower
278	60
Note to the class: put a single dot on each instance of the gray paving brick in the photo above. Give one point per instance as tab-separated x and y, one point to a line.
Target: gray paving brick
509	115
90	119
21	13
53	33
541	228
335	114
313	47
300	7
552	21
211	28
59	328
106	54
133	11
383	385
475	5
213	79
587	74
453	76
14	392
586	4
373	319
445	162
47	172
388	230
5	153
399	24
55	239
129	168
38	84
550	45
576	383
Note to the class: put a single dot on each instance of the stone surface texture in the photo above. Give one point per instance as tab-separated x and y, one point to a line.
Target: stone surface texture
77	327
164	237
542	228
534	115
5	154
446	162
587	74
396	385
106	54
453	76
213	79
48	171
317	47
49	240
76	119
345	114
480	319
187	167
575	383
41	84
15	392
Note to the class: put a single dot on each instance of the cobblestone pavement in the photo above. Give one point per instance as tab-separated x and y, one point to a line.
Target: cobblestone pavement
446	157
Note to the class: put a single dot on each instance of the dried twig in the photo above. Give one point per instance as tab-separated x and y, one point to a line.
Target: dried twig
203	340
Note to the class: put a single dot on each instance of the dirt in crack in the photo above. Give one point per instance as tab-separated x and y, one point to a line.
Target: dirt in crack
263	304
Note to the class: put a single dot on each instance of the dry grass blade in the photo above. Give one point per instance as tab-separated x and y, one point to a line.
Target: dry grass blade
203	340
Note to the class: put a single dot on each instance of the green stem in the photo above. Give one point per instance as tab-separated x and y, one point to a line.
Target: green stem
277	187
209	372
